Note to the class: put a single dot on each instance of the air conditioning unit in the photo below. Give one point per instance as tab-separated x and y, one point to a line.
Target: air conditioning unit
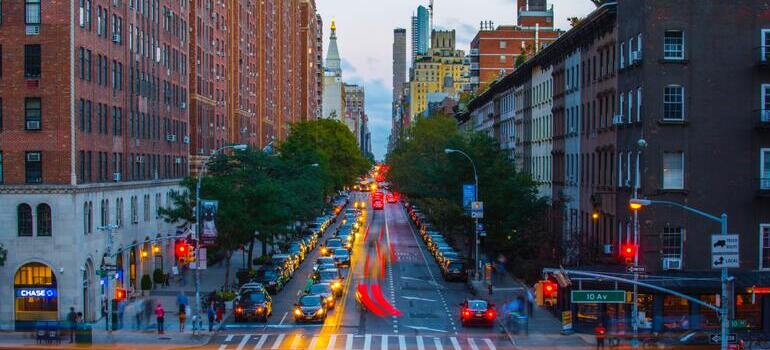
140	159
617	119
116	38
32	29
636	57
608	249
183	105
672	263
178	160
170	137
186	139
32	125
33	157
116	177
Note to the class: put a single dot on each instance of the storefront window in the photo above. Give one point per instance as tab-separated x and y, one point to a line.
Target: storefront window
645	310
616	314
119	269
132	268
748	313
676	313
708	317
588	314
36	296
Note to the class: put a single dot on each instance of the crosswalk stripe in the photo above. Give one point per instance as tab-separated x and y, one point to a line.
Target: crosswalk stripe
420	344
367	342
296	341
243	342
312	343
229	337
437	341
349	342
401	342
332	340
223	347
472	343
455	343
262	340
384	342
490	344
278	340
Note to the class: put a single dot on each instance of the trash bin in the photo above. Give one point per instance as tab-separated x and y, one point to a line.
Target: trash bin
84	334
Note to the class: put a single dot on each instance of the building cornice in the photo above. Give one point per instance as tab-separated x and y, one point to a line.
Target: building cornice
85	188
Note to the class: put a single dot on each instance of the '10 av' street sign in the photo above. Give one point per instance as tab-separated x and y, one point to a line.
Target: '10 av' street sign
598	296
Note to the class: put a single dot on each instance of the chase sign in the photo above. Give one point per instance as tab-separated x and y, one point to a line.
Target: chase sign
35	292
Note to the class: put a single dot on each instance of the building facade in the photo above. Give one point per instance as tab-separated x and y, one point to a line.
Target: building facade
355	111
399	78
443	70
420	32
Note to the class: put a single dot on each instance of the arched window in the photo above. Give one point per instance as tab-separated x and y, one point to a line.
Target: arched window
88	217
43	220
119	212
24	214
105	212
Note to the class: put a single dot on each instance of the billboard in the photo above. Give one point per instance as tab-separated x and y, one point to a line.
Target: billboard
208	224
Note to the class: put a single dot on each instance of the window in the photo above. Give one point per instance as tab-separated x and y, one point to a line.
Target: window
33	167
119	212
671	242
673	103
503	44
43	219
622	55
765	100
32	113
88	65
673	45
24	219
620	169
147	207
157	205
673	170
31	61
88	218
32	12
639	104
764	175
765	45
764	247
630	107
104	217
134	210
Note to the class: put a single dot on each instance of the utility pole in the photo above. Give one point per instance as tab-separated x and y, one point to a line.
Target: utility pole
109	228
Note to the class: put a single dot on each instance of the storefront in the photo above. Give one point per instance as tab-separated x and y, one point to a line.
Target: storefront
36	297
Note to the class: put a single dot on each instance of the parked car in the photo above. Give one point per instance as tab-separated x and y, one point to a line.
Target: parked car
330	245
271	278
323	260
251	286
454	270
342	257
333	277
298	250
325	291
285	260
309	308
253	305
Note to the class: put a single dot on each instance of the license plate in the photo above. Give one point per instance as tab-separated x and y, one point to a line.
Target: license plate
479	314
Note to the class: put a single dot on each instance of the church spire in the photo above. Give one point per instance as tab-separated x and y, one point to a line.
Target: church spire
333	62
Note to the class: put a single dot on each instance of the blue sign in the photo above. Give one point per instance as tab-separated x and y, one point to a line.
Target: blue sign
36	292
469	195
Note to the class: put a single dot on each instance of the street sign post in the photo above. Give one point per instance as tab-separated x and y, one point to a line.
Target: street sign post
725	252
599	296
716	338
635	269
477	210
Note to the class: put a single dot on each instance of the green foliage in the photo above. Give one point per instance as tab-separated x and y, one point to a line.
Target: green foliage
226	295
433	180
146	282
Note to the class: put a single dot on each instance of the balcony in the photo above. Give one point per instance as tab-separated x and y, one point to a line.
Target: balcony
763	187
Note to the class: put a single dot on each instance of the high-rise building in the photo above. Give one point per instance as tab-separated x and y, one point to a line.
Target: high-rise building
399	78
495	50
355	109
311	68
94	137
333	90
242	122
443	70
420	32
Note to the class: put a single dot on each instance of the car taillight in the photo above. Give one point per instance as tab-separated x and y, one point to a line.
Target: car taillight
466	313
491	314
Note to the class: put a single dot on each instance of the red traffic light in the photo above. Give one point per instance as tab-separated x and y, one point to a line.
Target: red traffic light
628	250
550	289
120	294
181	248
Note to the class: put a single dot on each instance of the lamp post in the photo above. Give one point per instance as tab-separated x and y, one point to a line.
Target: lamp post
198	224
109	228
475	199
636	204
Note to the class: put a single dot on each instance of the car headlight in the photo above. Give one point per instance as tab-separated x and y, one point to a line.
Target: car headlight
329	299
298	312
238	310
336	285
324	250
320	312
260	309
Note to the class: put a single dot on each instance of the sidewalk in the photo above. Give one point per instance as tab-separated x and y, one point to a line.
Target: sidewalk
544	330
138	331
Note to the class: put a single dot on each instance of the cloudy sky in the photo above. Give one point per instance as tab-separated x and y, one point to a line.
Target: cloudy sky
365	39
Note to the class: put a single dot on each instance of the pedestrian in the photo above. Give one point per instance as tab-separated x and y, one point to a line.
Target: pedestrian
211	313
72	319
601	333
182	317
220	311
160	314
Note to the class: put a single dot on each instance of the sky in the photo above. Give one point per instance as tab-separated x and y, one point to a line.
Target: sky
365	39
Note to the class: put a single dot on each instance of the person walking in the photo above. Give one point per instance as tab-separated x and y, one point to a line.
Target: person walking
601	333
211	313
160	314
182	317
72	320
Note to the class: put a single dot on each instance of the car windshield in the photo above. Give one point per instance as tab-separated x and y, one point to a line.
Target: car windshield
268	274
341	252
334	243
329	274
319	289
477	305
255	297
310	300
456	266
324	260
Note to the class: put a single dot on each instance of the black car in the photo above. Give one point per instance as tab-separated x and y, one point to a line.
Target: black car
270	277
310	308
333	278
330	245
325	291
342	257
253	305
477	313
454	270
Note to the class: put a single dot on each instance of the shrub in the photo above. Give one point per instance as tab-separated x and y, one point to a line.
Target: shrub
158	276
146	282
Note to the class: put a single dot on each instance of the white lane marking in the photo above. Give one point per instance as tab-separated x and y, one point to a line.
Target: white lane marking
229	338
401	342
312	343
384	342
490	344
332	340
455	343
223	347
278	340
437	341
420	344
243	342
296	341
261	342
349	342
283	318
367	342
472	343
417	298
420	328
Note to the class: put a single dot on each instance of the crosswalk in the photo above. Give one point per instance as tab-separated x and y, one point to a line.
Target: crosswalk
291	341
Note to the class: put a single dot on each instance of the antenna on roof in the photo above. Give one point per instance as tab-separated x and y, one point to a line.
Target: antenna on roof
430	8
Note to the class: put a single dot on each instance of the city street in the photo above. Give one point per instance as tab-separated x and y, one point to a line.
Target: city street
413	284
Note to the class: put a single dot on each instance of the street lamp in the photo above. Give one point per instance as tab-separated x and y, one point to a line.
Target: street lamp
199	224
636	204
475	199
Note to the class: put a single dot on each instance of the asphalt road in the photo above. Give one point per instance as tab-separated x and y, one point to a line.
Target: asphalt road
426	307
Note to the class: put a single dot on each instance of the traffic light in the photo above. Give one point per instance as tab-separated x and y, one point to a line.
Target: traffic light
539	293
628	251
181	249
120	294
550	290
